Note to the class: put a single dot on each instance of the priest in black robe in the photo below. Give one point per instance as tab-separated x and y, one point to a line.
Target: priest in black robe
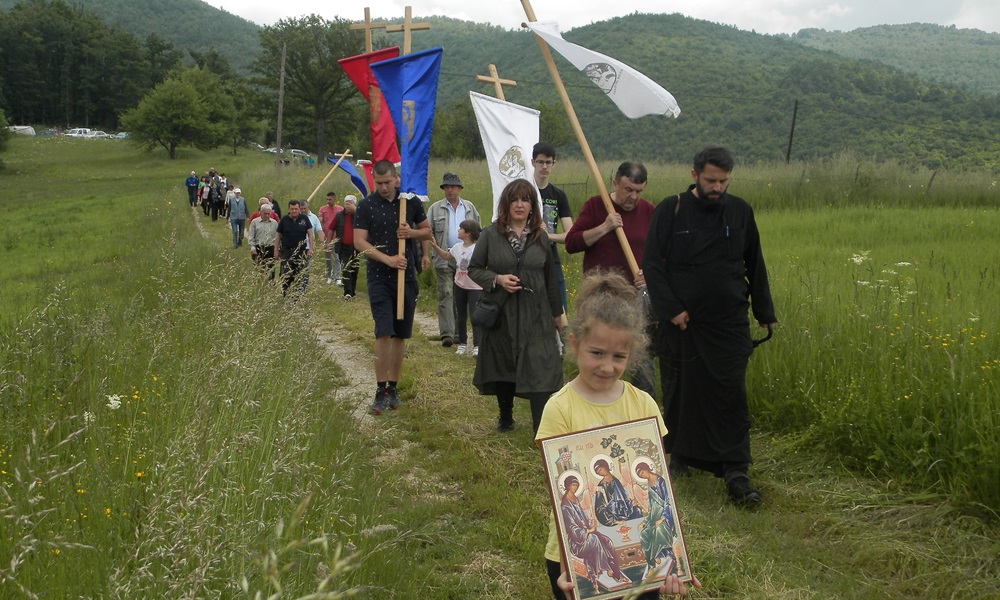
705	270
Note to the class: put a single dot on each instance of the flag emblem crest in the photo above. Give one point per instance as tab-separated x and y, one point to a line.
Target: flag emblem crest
512	163
409	118
603	75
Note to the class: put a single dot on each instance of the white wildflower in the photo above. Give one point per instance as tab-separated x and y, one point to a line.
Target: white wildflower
114	401
889	272
89	417
904	264
863	283
860	258
973	318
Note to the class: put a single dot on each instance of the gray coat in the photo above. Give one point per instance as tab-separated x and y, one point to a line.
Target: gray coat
522	347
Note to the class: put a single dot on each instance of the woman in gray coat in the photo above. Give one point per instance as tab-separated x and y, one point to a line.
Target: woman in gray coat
519	356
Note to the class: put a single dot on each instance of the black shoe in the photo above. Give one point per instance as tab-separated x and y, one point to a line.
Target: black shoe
447	341
381	402
505	425
392	398
678	469
742	493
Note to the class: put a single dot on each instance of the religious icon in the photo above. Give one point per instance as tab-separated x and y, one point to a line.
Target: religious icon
409	119
614	507
603	74
512	164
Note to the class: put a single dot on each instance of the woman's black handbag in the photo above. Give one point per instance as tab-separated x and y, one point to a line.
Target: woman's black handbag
486	312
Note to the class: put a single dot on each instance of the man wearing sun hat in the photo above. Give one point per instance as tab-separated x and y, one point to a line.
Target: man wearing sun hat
445	216
192	187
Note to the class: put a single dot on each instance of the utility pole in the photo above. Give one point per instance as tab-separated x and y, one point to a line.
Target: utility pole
791	134
281	100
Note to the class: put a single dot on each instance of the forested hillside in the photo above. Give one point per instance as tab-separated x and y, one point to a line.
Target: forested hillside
967	58
187	24
734	87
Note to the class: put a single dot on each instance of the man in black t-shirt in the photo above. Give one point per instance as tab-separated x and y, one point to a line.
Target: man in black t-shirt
377	231
555	206
290	243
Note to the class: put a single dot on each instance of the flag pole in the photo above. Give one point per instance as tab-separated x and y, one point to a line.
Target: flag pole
401	275
595	172
335	165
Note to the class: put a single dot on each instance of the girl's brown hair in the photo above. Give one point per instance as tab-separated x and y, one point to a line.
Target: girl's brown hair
607	297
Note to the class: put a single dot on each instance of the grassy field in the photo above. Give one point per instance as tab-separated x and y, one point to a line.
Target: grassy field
173	428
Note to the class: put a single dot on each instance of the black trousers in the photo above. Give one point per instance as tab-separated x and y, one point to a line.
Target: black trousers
293	261
349	264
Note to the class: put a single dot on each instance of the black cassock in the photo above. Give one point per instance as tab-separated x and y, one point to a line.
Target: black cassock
704	257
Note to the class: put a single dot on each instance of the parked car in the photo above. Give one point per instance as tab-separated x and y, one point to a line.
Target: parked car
299	153
48	133
273	150
97	134
78	132
121	135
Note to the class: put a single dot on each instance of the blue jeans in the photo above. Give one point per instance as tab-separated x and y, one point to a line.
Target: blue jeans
238	225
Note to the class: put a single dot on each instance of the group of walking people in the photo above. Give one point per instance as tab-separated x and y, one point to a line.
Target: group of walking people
699	270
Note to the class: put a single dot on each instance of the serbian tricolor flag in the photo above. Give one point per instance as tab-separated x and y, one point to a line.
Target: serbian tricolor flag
409	84
635	94
509	131
382	131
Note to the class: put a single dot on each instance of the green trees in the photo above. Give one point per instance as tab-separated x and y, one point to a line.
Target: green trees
322	110
66	66
189	108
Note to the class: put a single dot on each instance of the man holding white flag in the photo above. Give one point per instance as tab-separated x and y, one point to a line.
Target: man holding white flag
635	94
509	131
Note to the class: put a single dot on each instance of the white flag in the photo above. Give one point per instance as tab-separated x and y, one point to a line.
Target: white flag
509	131
635	94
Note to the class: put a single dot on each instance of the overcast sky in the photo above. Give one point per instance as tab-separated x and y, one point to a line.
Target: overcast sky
762	16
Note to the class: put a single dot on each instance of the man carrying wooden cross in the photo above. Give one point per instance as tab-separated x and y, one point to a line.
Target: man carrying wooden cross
377	230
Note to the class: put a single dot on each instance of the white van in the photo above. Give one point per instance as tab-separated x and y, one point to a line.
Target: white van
78	132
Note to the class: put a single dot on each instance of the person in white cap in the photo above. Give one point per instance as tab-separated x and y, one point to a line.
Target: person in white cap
237	216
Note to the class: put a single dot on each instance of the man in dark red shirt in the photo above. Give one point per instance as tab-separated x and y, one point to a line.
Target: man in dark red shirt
343	232
593	233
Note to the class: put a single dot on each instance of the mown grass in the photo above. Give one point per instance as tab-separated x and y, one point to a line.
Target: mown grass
232	413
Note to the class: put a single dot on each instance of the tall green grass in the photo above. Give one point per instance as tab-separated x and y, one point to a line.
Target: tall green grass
167	415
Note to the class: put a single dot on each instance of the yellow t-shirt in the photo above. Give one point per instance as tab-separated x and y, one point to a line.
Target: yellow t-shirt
567	411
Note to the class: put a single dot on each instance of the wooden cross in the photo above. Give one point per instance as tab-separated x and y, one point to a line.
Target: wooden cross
498	83
407	28
368	26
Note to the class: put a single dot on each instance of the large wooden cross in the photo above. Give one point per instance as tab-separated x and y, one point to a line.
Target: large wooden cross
498	83
407	28
368	26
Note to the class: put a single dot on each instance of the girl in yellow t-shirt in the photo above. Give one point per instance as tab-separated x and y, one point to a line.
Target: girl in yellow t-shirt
607	334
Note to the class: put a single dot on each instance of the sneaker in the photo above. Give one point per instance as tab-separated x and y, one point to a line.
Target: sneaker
505	425
475	351
340	282
447	341
348	297
742	493
380	403
392	398
461	350
329	281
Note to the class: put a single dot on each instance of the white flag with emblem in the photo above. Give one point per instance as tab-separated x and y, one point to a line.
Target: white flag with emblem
635	94
509	131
